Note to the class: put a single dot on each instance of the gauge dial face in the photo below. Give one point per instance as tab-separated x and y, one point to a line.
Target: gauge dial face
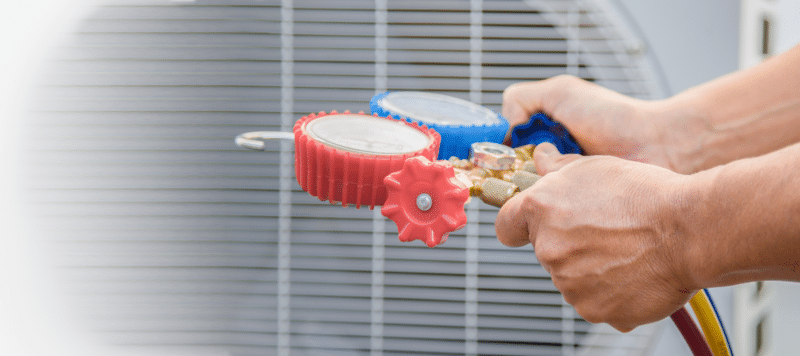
367	134
438	109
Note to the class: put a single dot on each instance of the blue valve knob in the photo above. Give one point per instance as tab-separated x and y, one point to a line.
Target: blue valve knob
541	128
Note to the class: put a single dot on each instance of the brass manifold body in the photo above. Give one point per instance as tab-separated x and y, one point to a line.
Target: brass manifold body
497	175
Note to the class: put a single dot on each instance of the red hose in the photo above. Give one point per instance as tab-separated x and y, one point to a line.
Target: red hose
697	343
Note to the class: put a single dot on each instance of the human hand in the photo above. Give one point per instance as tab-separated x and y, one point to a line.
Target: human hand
605	229
604	122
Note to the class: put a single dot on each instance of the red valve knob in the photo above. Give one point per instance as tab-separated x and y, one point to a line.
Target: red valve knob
344	157
425	200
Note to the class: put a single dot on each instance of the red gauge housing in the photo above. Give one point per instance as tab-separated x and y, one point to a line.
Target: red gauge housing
338	174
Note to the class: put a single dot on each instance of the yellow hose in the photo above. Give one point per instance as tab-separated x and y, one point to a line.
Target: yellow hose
712	327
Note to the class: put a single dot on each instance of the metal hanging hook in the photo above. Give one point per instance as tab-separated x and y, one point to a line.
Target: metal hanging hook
255	140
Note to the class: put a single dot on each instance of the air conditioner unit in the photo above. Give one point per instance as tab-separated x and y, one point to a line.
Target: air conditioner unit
168	239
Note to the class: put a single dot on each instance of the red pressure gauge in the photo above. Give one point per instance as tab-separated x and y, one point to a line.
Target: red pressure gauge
344	157
368	160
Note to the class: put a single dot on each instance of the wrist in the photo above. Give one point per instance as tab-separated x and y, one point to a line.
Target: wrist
691	236
683	127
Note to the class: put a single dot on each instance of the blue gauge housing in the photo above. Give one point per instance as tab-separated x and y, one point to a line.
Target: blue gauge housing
460	123
540	128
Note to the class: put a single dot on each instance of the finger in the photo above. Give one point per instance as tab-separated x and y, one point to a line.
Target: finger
512	222
553	97
547	158
521	100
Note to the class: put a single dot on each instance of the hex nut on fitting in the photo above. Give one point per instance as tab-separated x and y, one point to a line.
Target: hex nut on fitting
492	156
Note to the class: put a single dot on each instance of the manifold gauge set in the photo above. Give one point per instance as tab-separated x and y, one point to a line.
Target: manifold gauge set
420	156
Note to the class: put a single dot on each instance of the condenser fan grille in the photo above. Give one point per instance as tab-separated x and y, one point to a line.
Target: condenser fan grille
172	238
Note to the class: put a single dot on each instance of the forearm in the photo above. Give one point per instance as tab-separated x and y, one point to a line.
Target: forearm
744	114
742	220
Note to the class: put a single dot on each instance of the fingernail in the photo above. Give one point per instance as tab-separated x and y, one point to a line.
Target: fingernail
547	149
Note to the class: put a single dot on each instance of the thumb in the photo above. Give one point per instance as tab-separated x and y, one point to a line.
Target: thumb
547	158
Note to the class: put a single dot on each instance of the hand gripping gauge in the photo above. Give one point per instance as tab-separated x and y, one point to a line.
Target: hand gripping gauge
460	123
345	157
426	200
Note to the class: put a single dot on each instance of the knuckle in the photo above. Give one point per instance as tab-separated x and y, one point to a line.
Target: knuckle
512	91
550	254
561	272
569	297
589	314
565	84
565	79
595	313
624	328
622	324
537	202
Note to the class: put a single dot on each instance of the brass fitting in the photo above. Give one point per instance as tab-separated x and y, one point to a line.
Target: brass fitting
468	182
495	173
460	163
528	167
497	192
525	153
524	179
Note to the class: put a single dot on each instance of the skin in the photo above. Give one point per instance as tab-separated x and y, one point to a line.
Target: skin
695	191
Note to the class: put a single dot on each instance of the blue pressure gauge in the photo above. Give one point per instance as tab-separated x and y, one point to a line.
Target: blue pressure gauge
460	122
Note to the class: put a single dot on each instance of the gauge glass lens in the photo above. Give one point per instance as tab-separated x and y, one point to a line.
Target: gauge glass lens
438	109
367	134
